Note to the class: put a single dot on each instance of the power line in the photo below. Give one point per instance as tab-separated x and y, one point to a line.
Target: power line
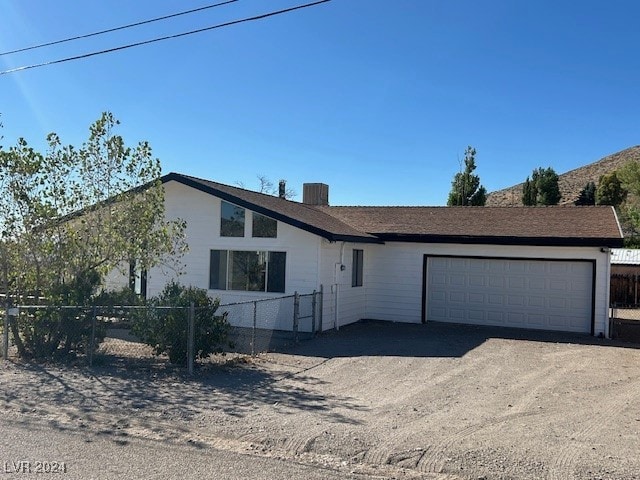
115	29
168	37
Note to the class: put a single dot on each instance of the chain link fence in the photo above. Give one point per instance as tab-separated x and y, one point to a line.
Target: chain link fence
103	334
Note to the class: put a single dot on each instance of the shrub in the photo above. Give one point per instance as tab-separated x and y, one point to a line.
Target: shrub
110	304
57	330
165	329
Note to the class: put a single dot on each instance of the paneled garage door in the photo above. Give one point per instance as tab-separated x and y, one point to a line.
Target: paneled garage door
540	294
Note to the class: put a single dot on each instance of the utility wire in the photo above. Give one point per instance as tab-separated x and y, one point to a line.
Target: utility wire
115	29
168	37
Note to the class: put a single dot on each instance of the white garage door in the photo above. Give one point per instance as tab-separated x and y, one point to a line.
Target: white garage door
540	294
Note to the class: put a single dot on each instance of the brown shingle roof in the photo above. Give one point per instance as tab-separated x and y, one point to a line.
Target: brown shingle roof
559	225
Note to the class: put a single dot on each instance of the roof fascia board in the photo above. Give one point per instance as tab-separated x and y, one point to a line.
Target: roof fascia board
488	240
615	214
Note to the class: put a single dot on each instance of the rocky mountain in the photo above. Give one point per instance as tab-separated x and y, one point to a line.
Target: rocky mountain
571	182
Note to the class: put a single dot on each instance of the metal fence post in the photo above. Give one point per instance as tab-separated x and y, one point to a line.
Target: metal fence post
313	313
92	339
296	316
190	335
321	306
5	333
253	330
611	321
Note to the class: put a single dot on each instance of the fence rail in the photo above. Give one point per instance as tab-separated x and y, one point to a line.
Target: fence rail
108	332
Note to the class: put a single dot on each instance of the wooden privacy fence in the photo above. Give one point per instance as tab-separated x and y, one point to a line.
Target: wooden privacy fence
625	290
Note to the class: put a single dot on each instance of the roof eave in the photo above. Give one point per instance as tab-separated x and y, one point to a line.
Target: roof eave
504	240
355	239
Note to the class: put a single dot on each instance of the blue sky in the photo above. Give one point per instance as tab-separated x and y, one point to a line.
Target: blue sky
379	99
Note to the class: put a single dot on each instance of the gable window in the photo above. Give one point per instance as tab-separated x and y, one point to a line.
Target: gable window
231	220
264	227
249	271
357	268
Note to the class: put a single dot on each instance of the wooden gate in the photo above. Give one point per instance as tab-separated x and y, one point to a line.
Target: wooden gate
624	290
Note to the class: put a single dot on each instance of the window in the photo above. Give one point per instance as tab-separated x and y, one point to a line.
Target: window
251	271
264	227
218	270
137	279
276	271
356	268
247	271
231	220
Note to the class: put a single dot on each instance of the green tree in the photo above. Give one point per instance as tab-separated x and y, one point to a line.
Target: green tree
71	215
629	176
542	188
529	193
465	187
611	190
587	195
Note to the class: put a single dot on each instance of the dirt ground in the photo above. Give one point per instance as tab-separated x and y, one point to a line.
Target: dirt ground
388	400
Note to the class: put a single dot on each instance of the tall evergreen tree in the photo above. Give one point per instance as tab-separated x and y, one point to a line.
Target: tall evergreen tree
529	193
542	188
587	195
465	187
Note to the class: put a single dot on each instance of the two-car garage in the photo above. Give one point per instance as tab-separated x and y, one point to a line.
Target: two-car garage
543	267
547	294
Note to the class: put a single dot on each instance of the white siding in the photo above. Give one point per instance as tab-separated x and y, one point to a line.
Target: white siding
392	282
351	301
394	277
201	212
117	279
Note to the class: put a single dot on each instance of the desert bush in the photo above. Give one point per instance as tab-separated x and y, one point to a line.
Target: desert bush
163	325
110	306
53	332
57	331
116	298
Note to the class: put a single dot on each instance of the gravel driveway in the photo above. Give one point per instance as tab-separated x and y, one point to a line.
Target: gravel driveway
390	400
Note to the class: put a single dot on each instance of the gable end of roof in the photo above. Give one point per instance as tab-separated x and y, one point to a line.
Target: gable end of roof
253	206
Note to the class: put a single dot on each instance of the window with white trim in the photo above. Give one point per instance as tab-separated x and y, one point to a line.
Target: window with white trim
250	271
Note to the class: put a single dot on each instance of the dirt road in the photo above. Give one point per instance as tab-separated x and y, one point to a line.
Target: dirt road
399	401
